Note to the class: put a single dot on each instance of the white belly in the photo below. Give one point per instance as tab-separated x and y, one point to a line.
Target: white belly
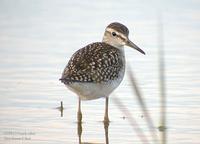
90	91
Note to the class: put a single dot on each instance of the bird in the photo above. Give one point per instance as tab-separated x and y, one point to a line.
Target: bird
97	69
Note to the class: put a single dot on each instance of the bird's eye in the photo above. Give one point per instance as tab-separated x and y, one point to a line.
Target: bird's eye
114	34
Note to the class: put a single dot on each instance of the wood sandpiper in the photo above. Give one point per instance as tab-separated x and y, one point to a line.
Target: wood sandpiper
95	70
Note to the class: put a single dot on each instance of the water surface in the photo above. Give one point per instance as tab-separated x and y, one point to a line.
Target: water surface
37	39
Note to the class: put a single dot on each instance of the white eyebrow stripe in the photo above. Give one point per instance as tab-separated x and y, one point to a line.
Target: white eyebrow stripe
119	33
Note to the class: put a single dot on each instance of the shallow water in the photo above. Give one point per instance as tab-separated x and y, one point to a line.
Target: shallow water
37	39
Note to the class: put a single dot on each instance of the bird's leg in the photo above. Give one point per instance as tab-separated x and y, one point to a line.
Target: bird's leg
79	114
106	125
106	119
79	130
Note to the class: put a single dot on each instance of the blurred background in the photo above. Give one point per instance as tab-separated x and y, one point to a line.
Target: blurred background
37	38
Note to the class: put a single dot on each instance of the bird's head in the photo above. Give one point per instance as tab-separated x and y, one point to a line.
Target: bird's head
116	34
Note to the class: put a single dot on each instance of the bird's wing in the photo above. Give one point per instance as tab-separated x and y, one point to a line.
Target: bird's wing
96	62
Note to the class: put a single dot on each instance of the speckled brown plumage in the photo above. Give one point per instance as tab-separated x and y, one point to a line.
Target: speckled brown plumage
97	62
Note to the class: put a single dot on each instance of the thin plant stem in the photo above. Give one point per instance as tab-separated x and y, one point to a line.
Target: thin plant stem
143	106
162	84
131	120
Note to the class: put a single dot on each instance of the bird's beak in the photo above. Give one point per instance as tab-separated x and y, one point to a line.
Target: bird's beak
131	44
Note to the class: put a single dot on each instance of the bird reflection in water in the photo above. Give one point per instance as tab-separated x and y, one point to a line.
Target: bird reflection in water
80	130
